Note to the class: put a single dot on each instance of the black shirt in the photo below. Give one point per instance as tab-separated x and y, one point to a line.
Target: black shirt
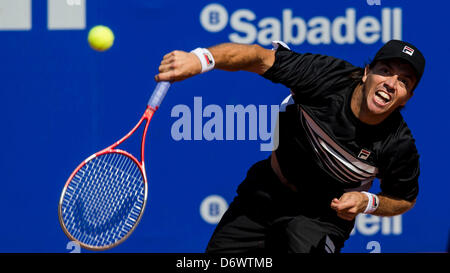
322	145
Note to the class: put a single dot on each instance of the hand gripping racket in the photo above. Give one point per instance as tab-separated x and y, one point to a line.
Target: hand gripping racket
104	198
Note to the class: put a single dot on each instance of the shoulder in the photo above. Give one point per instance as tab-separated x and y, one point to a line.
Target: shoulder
284	56
308	74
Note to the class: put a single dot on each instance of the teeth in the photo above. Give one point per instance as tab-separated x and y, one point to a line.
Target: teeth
385	96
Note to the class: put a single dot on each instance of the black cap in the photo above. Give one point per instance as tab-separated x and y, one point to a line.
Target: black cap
405	51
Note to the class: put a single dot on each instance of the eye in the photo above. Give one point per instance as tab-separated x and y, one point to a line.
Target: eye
404	82
384	70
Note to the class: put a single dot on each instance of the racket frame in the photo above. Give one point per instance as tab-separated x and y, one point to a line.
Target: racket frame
147	116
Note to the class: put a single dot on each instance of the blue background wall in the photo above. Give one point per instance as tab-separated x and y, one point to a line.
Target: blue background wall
62	101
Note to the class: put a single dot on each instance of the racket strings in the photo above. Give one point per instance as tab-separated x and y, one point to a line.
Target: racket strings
104	200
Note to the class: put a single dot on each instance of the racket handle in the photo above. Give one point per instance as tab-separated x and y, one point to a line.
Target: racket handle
158	94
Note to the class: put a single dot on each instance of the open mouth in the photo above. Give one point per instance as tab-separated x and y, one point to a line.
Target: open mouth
382	97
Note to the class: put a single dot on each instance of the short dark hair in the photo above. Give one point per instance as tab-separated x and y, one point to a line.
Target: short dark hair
357	75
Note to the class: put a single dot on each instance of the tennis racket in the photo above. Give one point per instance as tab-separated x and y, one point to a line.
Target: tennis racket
104	198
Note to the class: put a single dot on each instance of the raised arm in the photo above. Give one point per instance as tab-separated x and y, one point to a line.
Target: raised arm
179	65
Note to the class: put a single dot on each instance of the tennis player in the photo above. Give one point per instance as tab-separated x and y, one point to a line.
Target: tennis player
339	129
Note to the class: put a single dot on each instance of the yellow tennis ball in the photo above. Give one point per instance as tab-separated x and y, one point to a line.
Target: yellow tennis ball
100	38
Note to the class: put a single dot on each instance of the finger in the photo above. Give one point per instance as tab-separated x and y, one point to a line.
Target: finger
342	215
335	201
168	60
345	197
165	68
169	55
166	76
346	205
346	216
334	204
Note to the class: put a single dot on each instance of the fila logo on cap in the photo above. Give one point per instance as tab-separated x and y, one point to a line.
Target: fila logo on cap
408	50
364	154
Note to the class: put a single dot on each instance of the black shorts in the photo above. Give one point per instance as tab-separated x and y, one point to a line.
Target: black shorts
266	216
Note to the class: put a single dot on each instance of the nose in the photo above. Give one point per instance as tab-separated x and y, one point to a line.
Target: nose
391	83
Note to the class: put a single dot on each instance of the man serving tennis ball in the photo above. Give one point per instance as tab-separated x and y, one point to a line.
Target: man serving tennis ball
341	129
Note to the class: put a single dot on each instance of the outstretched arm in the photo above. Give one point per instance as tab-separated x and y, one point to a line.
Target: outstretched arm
179	65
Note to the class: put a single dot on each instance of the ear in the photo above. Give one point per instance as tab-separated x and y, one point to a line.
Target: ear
366	72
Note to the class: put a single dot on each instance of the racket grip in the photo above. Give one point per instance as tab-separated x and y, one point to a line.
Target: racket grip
158	94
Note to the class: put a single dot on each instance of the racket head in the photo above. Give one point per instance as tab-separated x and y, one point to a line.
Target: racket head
103	200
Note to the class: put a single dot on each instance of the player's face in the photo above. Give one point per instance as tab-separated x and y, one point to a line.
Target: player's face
388	85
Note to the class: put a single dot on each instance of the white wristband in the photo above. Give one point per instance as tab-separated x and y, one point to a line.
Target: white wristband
372	204
205	57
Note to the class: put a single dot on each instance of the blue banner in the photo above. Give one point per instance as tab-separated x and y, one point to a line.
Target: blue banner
63	101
